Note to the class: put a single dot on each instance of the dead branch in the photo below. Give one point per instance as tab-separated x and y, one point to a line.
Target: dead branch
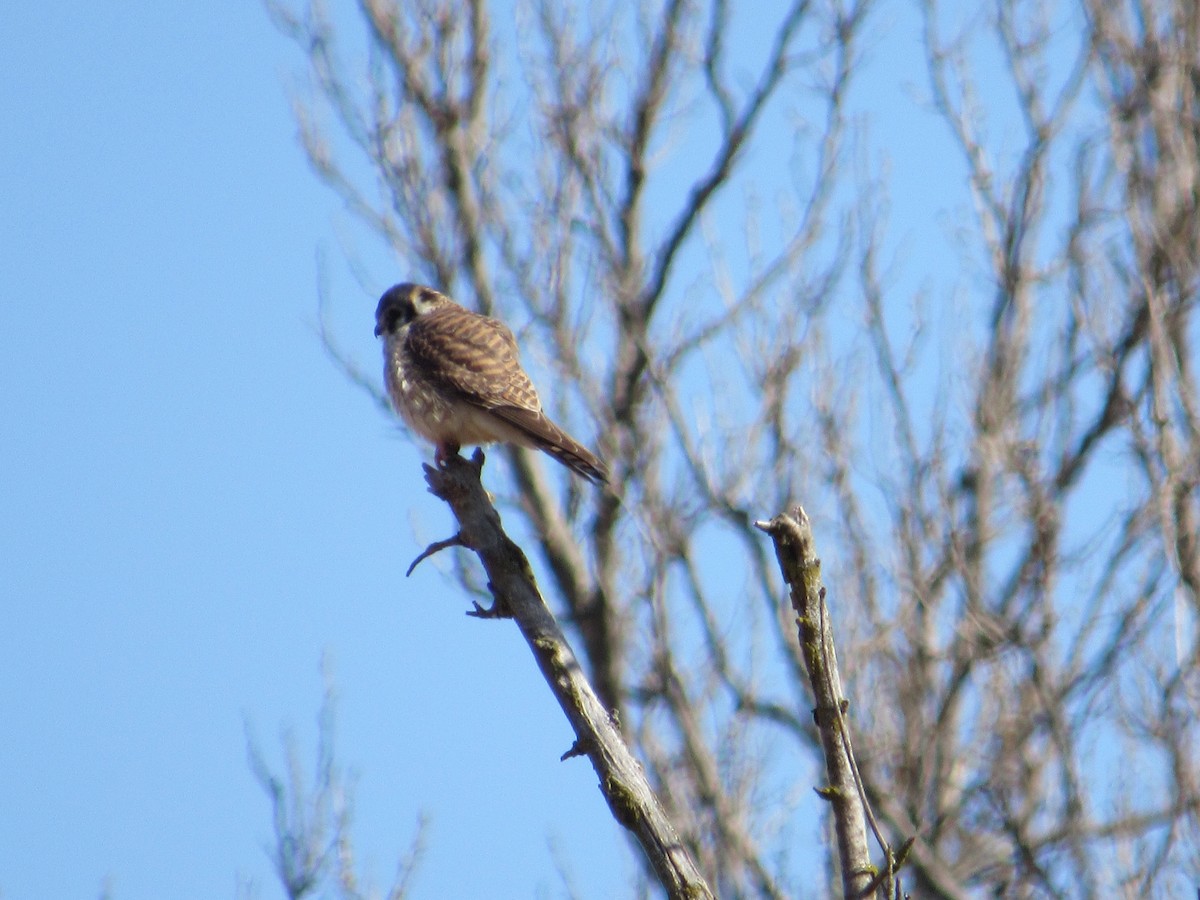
621	778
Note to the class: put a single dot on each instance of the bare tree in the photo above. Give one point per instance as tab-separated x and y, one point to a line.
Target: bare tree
313	847
1003	470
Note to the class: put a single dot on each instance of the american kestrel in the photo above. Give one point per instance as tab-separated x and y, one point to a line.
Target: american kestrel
455	377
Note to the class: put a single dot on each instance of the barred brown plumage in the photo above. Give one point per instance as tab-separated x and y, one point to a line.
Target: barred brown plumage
455	377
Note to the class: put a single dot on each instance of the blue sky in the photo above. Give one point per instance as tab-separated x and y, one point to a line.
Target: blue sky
196	508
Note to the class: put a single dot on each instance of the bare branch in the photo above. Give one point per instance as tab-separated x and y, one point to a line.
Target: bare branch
622	781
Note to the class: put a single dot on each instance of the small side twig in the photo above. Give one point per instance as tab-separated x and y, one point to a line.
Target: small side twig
433	548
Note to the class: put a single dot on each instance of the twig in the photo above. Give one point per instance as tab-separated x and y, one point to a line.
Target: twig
433	548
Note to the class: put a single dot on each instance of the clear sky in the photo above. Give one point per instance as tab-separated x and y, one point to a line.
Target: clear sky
196	508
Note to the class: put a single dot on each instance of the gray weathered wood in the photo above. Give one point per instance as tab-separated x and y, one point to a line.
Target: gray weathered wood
511	581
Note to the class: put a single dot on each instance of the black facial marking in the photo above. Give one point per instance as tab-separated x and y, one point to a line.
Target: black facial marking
395	309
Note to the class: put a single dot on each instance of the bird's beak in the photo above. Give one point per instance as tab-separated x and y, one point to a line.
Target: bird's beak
378	331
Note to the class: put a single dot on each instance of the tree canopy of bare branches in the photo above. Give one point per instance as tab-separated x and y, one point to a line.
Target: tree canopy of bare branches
683	207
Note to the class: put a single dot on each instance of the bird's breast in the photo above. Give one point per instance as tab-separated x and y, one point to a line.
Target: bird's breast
434	414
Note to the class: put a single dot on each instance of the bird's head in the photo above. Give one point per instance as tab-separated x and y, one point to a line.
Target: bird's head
402	303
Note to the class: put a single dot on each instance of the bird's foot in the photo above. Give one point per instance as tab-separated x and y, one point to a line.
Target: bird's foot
444	451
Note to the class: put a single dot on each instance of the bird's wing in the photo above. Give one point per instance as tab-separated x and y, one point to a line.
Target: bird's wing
476	357
472	356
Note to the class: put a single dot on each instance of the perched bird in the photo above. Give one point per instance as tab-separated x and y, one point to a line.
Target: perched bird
455	377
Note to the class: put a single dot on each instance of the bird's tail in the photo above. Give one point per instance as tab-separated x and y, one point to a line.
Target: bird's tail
576	457
543	434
